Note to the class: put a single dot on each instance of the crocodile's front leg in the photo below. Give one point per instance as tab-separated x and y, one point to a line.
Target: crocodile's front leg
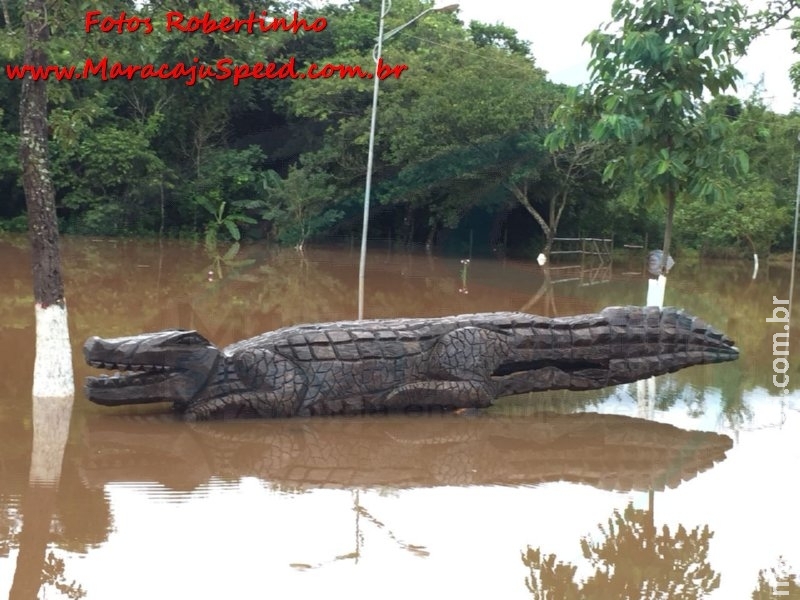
260	383
458	373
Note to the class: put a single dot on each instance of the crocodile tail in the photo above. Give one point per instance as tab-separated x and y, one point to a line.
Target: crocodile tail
650	341
618	345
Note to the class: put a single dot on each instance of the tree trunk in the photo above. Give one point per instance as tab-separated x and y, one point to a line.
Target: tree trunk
668	230
52	374
431	236
522	197
6	15
548	244
407	227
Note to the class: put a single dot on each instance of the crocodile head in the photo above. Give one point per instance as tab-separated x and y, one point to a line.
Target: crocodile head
172	365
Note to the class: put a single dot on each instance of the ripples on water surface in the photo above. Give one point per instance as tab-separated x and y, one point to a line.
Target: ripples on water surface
689	499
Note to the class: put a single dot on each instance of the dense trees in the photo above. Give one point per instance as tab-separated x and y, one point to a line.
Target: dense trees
757	210
461	133
652	69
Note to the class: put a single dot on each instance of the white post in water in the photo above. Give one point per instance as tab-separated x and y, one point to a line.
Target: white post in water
646	389
655	291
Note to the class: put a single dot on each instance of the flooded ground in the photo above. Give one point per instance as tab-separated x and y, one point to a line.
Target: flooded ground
582	495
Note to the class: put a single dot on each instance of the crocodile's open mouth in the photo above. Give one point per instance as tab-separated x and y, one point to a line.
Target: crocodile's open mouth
171	366
140	384
128	375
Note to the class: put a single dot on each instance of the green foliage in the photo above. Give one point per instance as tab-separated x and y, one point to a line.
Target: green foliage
221	219
794	70
106	170
499	36
452	135
468	129
230	184
16	224
758	207
302	206
651	69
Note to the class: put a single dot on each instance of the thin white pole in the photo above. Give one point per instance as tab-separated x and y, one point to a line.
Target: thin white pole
370	159
794	244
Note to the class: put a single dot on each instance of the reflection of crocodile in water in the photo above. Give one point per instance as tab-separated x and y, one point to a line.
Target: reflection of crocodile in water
610	452
400	364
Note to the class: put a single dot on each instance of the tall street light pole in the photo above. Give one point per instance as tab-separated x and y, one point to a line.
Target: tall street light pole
376	55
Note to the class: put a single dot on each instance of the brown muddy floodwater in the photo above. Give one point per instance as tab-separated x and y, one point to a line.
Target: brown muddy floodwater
690	494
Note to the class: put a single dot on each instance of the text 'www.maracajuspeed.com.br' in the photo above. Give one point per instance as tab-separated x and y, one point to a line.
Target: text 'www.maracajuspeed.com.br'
223	69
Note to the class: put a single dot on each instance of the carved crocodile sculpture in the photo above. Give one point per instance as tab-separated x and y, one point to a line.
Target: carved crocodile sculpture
464	361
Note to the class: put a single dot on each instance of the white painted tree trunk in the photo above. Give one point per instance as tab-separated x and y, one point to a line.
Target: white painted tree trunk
52	368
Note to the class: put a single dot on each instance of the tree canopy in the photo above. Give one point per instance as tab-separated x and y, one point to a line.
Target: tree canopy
473	135
652	69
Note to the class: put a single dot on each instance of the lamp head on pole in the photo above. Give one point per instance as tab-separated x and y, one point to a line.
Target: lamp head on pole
446	9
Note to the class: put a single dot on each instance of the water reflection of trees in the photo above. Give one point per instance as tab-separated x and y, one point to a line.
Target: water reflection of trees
777	583
633	561
37	566
53	575
697	400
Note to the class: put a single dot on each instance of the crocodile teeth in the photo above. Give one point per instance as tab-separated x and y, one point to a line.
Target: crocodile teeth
99	364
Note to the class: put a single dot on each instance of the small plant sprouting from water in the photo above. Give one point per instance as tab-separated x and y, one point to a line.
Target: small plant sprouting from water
464	272
221	219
